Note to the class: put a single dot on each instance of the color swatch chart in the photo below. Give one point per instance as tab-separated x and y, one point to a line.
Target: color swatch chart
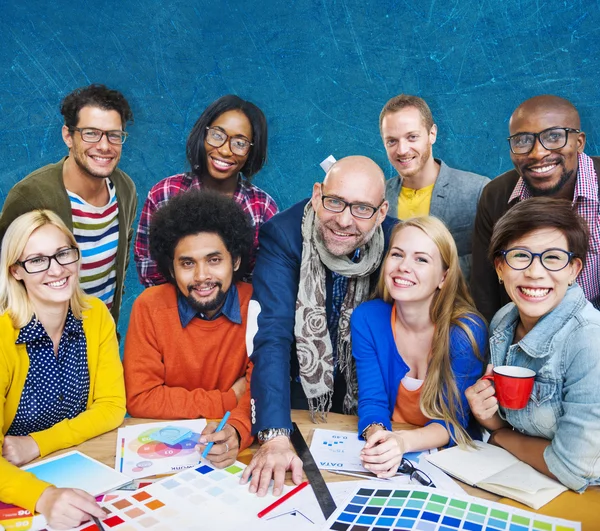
193	499
370	509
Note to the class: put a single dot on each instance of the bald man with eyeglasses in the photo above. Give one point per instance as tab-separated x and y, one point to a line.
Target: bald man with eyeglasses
546	146
96	200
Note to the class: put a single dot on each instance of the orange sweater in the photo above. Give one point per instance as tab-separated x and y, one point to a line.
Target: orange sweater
186	373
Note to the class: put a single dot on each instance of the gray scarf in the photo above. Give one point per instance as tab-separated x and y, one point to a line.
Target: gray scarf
313	342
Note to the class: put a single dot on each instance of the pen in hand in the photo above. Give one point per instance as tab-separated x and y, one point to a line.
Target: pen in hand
219	428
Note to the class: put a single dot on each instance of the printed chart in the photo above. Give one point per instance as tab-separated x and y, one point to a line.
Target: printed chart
160	448
340	450
371	509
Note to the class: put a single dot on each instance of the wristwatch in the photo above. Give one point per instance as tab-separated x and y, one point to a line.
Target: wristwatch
364	432
271	433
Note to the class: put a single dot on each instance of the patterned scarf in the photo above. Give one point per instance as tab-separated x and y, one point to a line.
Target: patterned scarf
313	342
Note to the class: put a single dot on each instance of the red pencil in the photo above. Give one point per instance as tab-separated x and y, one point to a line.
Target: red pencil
278	502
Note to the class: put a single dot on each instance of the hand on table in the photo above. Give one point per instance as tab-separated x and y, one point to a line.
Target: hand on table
383	452
67	508
226	444
19	450
271	461
482	398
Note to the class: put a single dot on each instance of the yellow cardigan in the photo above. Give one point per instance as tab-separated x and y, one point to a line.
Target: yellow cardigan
105	408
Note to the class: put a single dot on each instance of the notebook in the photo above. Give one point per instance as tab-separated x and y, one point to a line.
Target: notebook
494	469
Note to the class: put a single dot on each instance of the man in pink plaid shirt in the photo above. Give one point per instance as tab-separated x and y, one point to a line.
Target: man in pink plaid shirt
546	145
226	147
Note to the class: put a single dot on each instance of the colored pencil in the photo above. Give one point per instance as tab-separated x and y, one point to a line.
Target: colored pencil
286	497
98	524
219	428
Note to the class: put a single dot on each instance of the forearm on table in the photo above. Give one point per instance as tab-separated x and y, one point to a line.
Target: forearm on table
433	435
526	448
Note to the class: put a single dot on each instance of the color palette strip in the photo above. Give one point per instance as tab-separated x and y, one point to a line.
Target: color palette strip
370	509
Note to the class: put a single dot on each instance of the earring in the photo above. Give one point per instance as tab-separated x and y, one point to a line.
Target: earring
571	282
500	281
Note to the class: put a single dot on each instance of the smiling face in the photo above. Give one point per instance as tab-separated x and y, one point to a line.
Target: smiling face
221	162
547	172
56	285
535	290
354	180
100	158
413	270
203	270
407	141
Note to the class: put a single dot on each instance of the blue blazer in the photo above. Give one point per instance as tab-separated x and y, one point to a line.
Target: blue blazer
274	386
380	367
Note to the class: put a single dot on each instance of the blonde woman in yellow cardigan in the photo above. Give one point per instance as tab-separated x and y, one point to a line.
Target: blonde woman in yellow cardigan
61	379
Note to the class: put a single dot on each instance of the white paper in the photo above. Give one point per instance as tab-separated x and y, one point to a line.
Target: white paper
340	450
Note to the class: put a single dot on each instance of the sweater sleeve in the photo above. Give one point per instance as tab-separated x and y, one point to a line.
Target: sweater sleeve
466	365
373	405
240	416
147	394
106	404
16	486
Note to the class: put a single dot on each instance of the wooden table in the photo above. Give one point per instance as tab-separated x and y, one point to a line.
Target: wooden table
570	505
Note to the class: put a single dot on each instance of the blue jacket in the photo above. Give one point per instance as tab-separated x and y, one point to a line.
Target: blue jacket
563	349
453	200
380	367
274	386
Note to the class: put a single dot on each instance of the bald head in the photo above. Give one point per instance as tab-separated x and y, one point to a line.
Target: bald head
360	170
544	105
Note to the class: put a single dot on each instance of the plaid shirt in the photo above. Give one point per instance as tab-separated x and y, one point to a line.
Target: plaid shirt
259	205
586	202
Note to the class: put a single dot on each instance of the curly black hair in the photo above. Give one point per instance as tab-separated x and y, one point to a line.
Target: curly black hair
196	211
94	95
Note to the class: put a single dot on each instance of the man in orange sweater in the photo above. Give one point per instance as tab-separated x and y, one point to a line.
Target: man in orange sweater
185	351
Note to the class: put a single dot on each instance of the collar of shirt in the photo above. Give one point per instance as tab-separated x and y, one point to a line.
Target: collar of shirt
585	186
34	329
230	309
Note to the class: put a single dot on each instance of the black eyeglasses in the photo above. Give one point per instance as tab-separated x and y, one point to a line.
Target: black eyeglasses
91	135
38	264
551	139
551	259
406	467
238	145
358	210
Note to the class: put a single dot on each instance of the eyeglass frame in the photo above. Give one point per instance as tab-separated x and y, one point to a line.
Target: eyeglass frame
349	205
227	138
54	256
124	134
539	255
536	136
406	467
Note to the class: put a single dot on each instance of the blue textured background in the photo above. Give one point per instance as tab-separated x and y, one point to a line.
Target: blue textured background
320	70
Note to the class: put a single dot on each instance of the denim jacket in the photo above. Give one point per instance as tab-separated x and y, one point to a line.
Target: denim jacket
563	349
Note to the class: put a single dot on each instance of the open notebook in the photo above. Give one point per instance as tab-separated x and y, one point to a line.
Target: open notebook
496	470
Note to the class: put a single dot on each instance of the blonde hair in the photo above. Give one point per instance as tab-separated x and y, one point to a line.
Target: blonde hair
13	294
451	306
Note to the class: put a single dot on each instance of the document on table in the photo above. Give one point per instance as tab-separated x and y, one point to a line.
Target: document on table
340	450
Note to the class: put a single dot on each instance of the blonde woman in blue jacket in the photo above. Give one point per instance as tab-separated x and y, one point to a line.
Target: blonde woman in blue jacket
417	347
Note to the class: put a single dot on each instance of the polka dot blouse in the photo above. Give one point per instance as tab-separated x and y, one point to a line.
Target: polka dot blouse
56	387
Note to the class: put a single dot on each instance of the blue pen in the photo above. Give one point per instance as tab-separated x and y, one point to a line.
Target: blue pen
219	428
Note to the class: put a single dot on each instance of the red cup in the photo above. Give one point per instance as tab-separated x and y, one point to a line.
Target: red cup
513	385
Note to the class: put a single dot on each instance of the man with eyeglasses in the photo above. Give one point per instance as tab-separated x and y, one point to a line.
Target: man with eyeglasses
546	146
317	261
95	199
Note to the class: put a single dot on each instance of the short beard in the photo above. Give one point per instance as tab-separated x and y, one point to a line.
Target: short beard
546	192
209	306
